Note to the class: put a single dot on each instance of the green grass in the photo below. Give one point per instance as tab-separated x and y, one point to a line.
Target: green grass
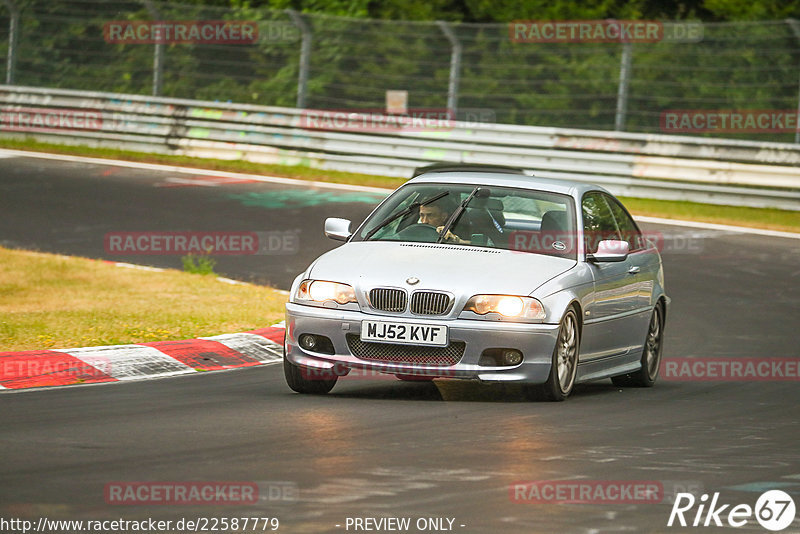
766	218
198	264
772	219
51	301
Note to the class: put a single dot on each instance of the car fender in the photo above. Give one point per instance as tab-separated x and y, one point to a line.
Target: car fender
557	294
556	304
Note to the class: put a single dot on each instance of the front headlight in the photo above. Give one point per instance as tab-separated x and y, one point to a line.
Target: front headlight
323	291
510	306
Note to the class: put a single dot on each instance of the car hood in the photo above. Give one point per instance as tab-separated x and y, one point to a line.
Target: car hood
457	269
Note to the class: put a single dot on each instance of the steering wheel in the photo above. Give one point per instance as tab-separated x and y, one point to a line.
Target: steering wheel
419	232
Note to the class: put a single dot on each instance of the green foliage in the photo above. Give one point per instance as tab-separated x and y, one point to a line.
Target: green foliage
507	10
753	10
354	61
198	264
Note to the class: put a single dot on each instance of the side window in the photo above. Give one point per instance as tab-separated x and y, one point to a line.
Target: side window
598	221
627	227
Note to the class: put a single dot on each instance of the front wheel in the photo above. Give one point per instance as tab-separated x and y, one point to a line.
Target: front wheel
564	366
304	380
651	355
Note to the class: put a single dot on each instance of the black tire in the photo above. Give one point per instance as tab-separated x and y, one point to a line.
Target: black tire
646	376
316	386
564	364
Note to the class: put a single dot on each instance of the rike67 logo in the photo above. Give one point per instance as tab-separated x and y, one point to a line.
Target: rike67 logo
774	510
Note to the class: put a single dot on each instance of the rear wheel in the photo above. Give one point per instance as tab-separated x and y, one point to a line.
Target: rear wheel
651	355
304	380
564	366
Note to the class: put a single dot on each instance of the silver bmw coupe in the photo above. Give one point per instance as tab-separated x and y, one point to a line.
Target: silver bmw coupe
482	274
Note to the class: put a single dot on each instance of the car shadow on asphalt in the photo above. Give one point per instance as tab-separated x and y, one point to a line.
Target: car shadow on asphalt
455	391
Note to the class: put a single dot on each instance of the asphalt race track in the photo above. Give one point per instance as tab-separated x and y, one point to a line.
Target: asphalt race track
385	448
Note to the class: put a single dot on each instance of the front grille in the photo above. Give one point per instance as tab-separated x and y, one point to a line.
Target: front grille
429	303
388	299
414	354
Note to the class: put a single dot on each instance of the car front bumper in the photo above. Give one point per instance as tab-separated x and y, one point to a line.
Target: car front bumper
535	341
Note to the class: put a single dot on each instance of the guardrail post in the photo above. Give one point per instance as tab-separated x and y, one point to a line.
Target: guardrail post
13	28
455	67
622	89
158	52
305	55
795	26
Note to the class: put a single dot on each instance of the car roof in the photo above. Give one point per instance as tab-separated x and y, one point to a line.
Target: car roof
443	166
573	188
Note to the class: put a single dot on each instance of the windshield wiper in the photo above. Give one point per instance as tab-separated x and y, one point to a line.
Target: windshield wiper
411	207
459	210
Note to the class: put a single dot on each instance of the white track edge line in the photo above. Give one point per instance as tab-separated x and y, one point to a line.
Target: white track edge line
714	226
193	170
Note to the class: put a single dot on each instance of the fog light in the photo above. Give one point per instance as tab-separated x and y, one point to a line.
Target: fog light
308	341
512	357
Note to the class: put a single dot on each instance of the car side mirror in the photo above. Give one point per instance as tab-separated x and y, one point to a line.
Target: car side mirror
337	229
610	250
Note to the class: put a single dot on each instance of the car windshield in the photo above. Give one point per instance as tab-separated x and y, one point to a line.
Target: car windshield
495	217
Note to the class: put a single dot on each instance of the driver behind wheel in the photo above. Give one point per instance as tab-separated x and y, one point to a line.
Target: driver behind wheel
436	215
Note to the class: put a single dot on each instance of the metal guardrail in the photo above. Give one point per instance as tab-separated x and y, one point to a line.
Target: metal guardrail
732	172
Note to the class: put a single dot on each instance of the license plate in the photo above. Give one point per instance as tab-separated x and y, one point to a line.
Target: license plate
407	333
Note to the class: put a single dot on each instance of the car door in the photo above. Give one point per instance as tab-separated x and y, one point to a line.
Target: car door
610	317
643	258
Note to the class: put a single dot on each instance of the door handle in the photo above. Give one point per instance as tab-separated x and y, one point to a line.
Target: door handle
634	269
